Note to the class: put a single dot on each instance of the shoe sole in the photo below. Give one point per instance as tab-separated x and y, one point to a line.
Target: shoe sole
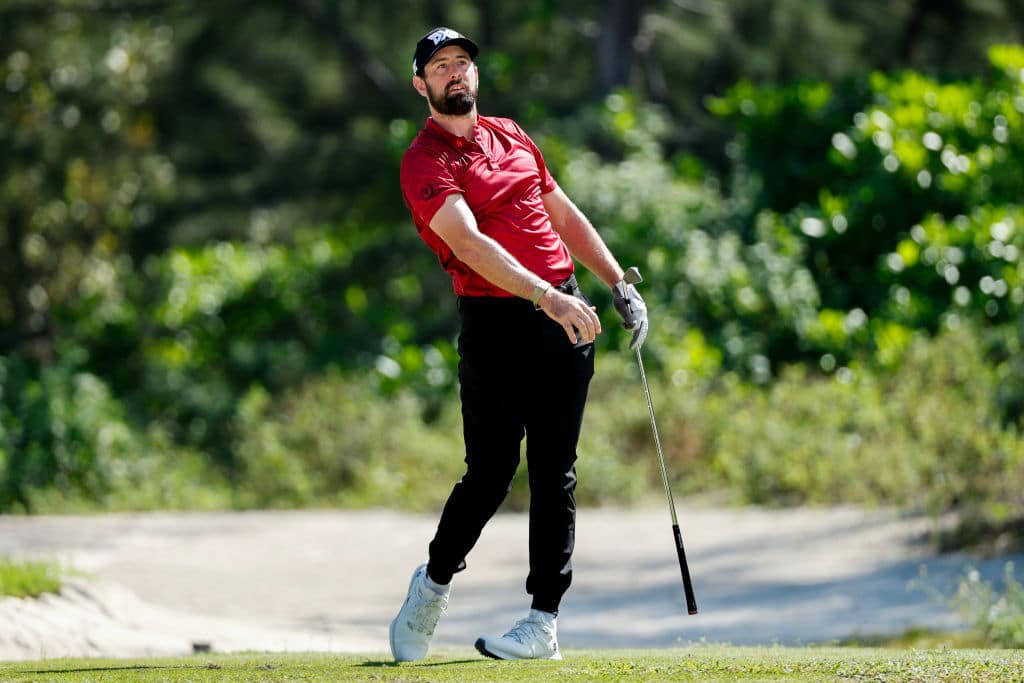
481	647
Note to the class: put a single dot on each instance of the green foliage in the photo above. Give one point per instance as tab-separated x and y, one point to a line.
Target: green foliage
742	299
335	441
909	218
28	579
66	444
227	316
82	171
200	216
997	617
925	436
782	136
61	428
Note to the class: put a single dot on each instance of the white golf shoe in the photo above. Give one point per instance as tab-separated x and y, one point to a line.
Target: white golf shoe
412	629
534	637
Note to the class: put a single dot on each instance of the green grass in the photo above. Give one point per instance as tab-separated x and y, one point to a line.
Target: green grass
698	663
28	579
921	638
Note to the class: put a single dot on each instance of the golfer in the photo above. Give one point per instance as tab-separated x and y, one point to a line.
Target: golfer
483	200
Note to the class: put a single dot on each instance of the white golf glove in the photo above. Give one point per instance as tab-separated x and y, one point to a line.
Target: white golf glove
630	305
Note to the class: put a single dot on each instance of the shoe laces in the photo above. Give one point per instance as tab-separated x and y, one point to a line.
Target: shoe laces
428	610
526	630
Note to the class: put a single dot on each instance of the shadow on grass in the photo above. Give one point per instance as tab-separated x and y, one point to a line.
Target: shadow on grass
90	669
390	664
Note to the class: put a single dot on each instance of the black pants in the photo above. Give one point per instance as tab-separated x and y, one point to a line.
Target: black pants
519	375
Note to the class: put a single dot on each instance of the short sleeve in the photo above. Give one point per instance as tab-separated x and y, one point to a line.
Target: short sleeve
426	180
547	181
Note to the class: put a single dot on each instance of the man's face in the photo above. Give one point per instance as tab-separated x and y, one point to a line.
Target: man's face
451	81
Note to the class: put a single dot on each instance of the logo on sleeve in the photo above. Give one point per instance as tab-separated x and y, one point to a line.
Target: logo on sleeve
428	192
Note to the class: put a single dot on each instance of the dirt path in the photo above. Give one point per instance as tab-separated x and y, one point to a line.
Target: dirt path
332	580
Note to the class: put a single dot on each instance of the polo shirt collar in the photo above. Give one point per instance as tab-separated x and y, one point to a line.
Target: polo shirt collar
455	141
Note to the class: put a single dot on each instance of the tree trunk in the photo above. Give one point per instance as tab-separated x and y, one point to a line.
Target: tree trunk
620	23
952	13
488	24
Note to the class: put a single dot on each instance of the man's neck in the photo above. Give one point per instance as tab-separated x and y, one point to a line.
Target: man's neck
460	126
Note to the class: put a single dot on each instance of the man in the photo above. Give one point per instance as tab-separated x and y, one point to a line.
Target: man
483	200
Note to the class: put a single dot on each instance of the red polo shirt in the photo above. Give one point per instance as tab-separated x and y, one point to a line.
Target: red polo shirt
502	176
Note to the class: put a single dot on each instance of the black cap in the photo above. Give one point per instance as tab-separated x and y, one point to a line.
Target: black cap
436	39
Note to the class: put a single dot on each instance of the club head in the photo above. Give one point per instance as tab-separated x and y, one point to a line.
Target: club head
632	276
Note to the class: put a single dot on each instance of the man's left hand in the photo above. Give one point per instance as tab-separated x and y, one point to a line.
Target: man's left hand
630	305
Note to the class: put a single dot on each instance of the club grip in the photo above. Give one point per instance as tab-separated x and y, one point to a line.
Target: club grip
691	600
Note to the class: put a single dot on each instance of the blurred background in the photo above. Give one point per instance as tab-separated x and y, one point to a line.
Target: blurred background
212	295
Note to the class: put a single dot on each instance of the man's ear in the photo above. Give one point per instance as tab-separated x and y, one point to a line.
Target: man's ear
420	85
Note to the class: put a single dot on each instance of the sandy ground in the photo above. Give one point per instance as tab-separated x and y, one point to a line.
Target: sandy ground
162	584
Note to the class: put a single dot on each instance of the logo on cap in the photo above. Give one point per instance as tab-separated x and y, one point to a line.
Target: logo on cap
442	34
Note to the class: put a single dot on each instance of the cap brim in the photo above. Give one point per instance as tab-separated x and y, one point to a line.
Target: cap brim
468	45
465	43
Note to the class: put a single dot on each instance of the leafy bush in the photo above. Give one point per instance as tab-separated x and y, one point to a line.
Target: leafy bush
924	435
214	320
60	428
336	441
66	444
742	298
908	217
998	618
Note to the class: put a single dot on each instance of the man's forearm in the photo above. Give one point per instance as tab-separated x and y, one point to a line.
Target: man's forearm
588	248
581	237
492	262
485	256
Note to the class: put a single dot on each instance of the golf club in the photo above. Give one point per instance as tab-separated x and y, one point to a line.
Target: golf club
633	277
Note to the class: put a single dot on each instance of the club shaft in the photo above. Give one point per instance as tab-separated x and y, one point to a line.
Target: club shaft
657	440
684	567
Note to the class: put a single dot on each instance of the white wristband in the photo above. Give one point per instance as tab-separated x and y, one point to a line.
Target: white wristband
538	293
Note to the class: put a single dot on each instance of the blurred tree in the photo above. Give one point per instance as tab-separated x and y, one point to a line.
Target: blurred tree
915	222
220	124
695	48
197	197
81	168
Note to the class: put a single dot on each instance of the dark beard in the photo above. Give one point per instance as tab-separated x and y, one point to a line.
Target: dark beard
458	104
